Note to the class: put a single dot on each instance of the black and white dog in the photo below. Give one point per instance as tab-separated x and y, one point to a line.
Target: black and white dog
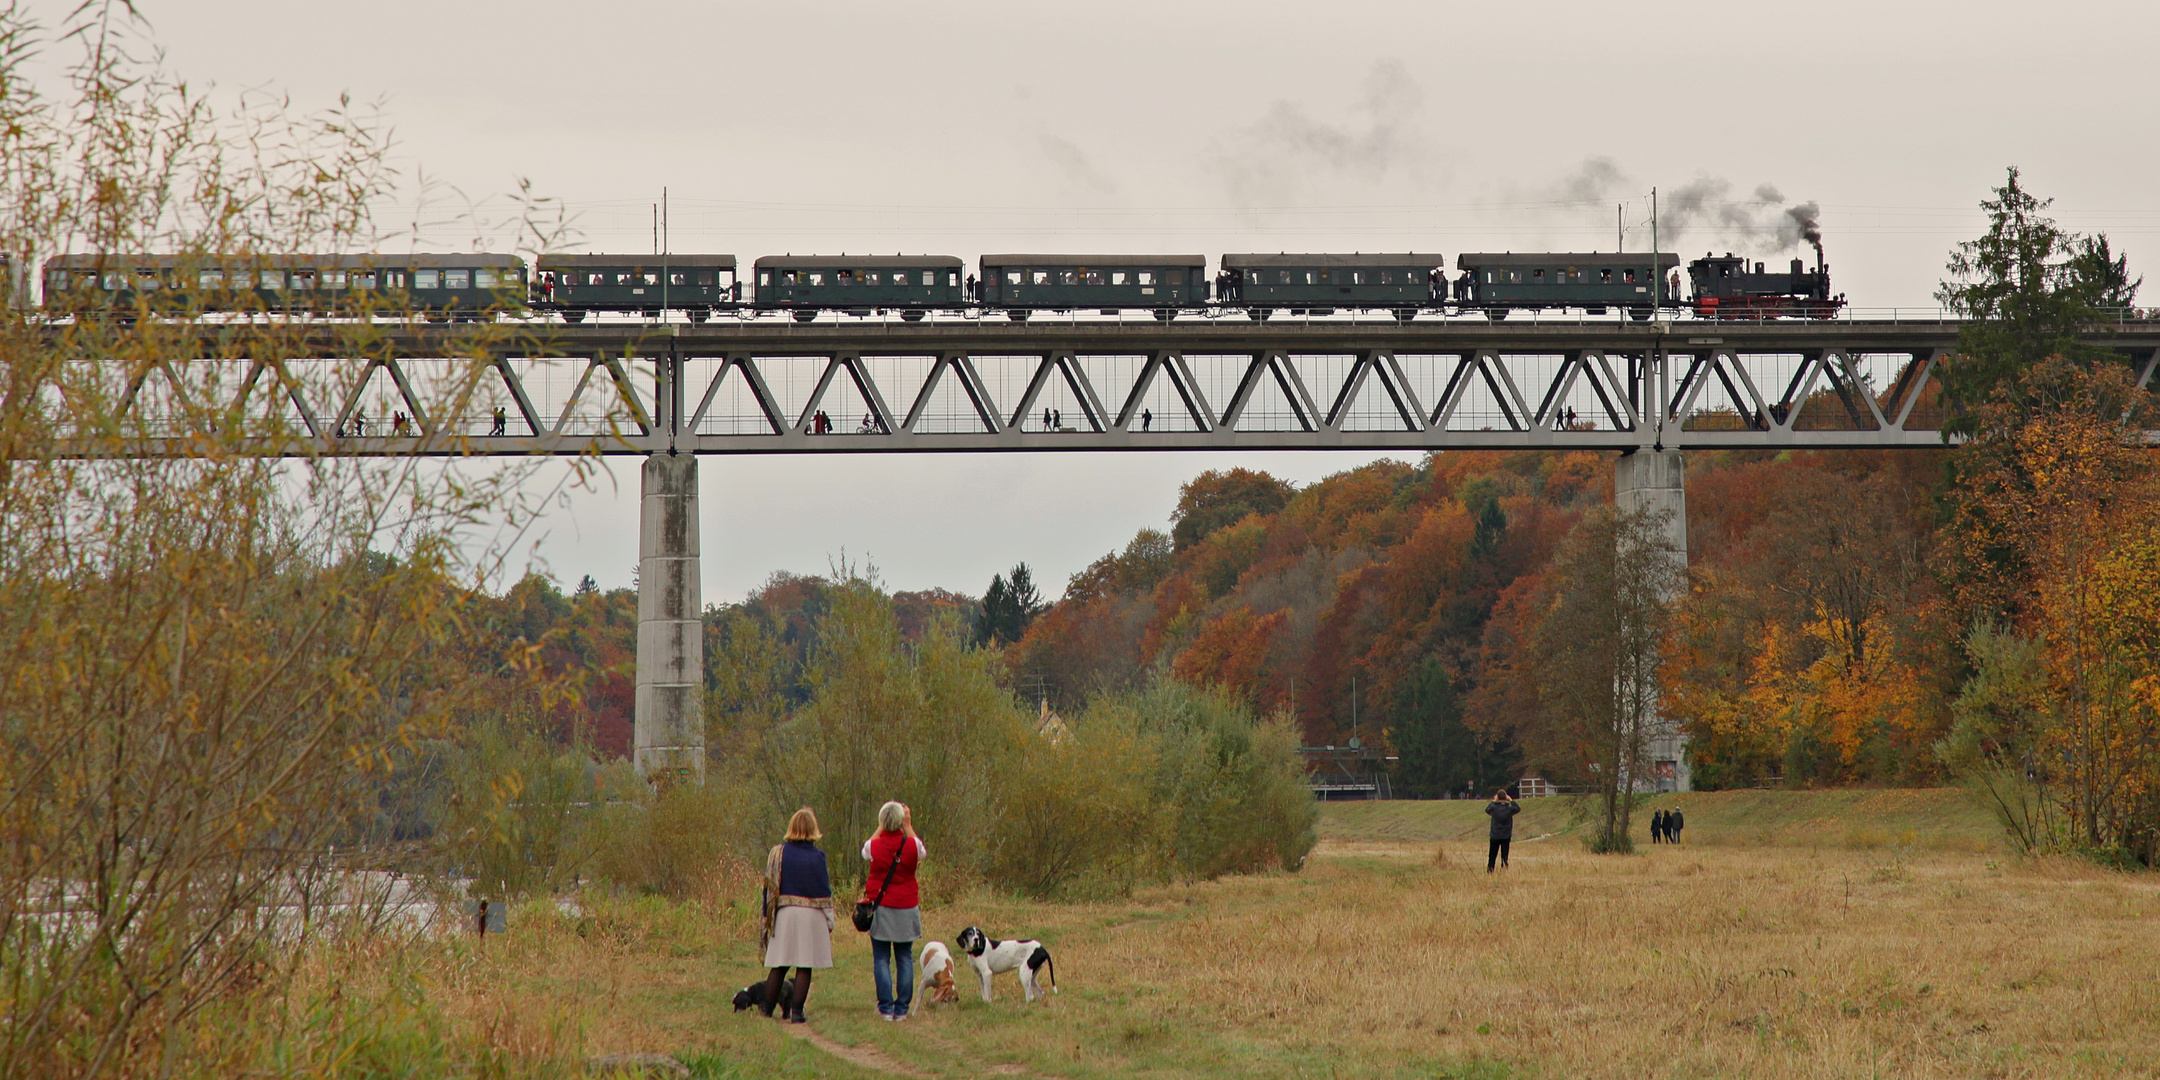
991	957
753	997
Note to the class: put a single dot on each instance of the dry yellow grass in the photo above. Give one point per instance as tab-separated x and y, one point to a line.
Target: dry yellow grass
1374	961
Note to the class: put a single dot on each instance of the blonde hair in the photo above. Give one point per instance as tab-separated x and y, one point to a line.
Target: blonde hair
803	826
892	816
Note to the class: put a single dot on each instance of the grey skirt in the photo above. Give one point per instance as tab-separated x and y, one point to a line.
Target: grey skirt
896	924
800	938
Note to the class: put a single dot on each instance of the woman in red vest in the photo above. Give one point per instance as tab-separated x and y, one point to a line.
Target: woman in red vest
893	855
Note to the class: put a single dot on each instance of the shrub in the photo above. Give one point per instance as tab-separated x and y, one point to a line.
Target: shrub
1165	782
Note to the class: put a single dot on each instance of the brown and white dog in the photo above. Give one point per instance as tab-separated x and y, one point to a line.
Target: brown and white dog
938	987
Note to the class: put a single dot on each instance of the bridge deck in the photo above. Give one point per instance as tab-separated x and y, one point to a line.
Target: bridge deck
1086	384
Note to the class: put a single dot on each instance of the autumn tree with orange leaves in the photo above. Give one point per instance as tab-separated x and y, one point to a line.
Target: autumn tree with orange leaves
2054	548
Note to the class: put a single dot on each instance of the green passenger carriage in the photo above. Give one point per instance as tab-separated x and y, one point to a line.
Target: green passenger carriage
576	285
913	285
1595	282
1319	284
439	286
1108	283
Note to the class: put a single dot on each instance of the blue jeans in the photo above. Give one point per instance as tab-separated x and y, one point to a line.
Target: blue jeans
885	957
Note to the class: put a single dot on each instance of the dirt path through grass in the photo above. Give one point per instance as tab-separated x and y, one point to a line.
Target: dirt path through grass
868	1057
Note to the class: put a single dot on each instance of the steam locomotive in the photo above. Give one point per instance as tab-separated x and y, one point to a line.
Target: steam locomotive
573	287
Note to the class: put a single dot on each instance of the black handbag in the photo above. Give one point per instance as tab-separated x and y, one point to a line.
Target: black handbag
865	910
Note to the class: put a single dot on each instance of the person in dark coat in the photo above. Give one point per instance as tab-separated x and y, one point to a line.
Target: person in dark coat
799	915
1657	827
1674	822
1502	810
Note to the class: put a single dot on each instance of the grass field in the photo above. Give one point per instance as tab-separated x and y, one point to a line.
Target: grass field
1942	819
1839	935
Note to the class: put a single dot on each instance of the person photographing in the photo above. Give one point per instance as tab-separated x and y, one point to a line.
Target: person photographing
1502	810
893	853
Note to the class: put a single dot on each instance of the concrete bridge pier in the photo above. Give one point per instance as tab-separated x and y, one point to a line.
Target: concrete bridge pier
669	720
1656	480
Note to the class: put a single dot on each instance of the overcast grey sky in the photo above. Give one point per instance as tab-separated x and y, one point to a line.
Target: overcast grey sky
963	127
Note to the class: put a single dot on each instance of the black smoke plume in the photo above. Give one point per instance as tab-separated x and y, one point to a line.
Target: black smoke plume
1759	222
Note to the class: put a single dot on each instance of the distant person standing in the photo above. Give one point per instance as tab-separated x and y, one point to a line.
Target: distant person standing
1657	827
1674	822
1502	810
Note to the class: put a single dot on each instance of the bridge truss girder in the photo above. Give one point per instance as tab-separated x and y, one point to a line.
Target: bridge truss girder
722	391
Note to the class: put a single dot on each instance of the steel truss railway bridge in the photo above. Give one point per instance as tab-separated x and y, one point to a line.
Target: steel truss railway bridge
670	392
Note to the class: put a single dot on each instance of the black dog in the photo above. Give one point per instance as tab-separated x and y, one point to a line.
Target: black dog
753	996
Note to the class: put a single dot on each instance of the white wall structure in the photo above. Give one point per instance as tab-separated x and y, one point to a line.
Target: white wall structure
669	720
1655	480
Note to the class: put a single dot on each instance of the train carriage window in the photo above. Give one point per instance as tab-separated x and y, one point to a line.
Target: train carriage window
273	279
1283	277
1117	277
394	279
210	279
1068	277
844	278
677	277
929	277
1012	277
147	281
1537	277
365	279
427	279
1514	275
652	277
1174	276
868	277
1147	277
764	278
1357	277
1604	277
952	279
457	279
485	279
1311	278
1095	277
708	277
1628	276
814	278
333	279
300	280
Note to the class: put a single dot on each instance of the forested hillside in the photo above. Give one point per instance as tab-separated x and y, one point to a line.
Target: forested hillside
1380	598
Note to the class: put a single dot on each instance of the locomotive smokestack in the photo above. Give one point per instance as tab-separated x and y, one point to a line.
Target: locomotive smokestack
1804	215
